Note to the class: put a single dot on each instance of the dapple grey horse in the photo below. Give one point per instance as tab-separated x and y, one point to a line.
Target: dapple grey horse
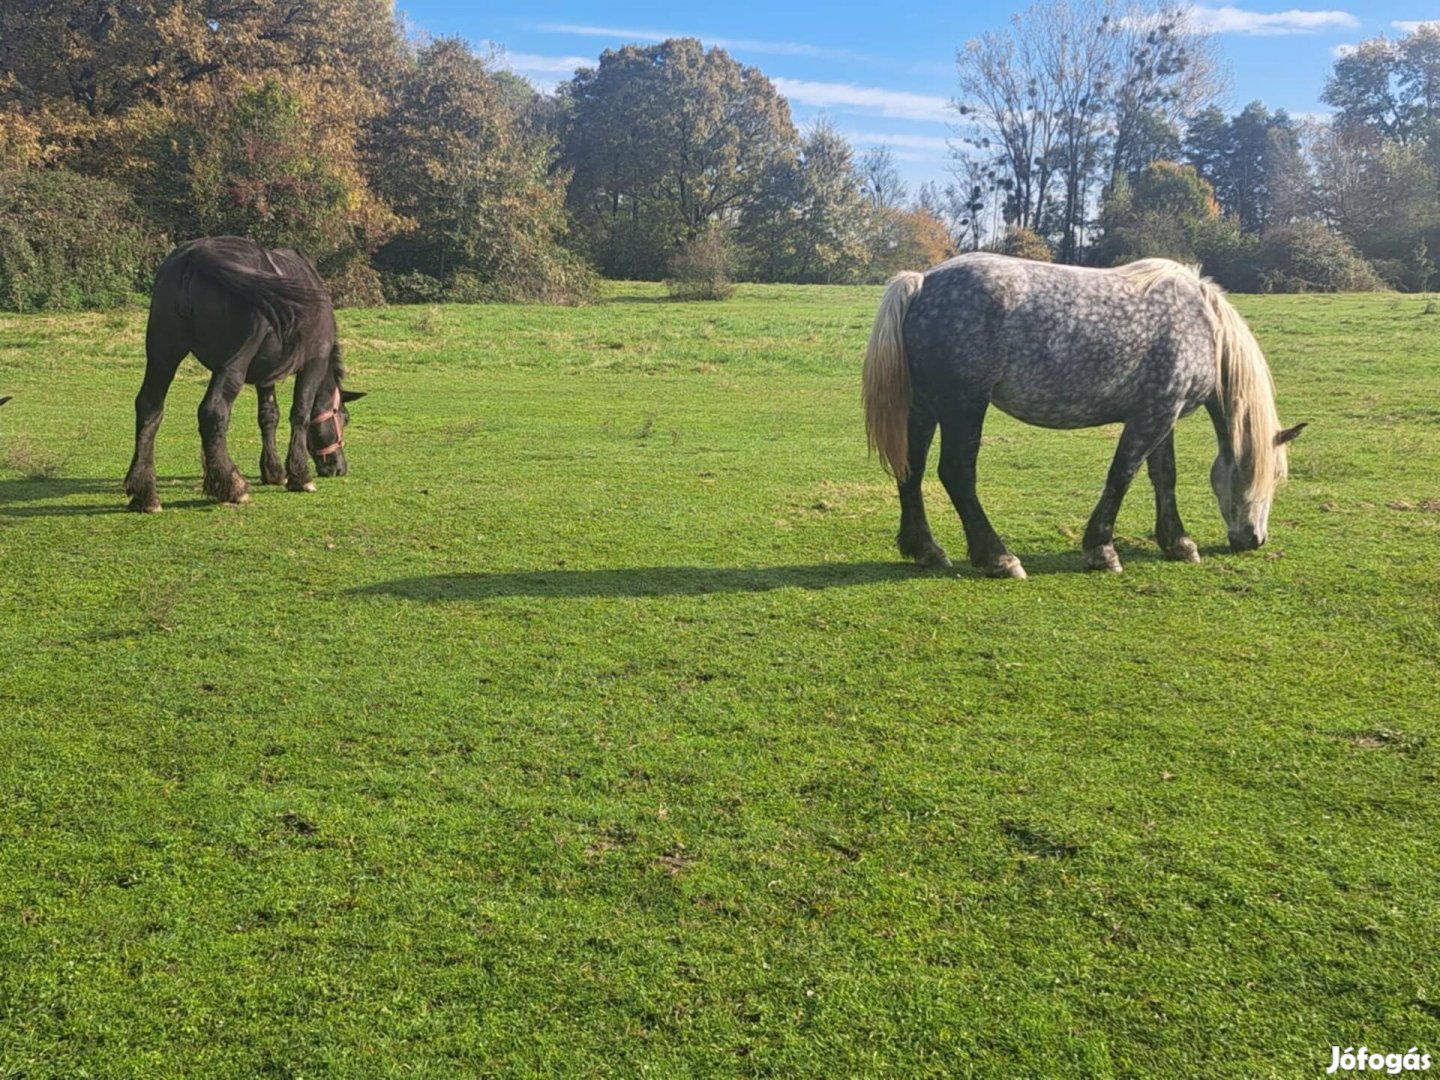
1141	345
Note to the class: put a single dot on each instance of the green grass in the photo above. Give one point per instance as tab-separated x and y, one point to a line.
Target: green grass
592	727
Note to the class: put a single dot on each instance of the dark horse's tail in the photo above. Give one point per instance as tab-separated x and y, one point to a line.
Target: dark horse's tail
281	300
886	376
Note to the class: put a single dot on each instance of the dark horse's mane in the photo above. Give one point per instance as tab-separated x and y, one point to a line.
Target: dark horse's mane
246	269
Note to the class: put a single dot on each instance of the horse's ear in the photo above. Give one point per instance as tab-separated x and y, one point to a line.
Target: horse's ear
348	396
1288	435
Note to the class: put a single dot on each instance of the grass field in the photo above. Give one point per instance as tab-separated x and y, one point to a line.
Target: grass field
592	727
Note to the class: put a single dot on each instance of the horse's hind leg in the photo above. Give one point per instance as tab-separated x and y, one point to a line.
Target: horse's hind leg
959	447
1137	442
271	470
915	539
1169	532
163	353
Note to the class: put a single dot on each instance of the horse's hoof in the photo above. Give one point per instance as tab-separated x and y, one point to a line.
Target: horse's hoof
1184	550
272	478
141	506
1007	566
1103	558
935	559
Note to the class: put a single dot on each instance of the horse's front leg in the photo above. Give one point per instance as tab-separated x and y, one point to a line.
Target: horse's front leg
297	459
1136	443
1169	531
223	481
959	448
271	471
915	539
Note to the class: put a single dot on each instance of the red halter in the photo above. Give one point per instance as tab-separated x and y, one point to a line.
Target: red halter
333	413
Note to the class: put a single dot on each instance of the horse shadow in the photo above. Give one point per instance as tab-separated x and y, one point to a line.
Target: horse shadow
646	581
639	581
19	494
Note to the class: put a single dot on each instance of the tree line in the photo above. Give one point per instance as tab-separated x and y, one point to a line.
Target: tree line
413	169
1092	131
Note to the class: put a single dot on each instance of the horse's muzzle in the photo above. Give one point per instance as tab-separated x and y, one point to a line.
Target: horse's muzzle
1245	540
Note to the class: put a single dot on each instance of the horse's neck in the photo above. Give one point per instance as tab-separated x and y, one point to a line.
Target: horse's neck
1222	426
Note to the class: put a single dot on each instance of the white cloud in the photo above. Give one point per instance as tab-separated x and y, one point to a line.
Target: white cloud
1233	20
781	48
899	104
1410	26
935	144
532	64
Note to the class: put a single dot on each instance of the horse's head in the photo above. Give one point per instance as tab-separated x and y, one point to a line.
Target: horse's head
1245	485
326	433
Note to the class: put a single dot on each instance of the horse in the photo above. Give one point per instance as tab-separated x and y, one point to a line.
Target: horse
251	315
1141	345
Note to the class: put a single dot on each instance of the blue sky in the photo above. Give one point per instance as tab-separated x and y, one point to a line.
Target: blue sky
883	73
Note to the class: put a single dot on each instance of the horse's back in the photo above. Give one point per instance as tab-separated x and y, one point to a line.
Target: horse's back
219	295
1060	346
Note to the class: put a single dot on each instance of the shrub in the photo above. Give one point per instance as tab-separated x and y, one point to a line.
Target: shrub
1023	243
69	242
1307	257
355	283
904	240
1227	254
564	280
412	287
701	269
1391	272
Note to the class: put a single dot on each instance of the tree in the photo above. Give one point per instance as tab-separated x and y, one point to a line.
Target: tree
811	227
1252	160
1288	180
1076	43
963	203
1377	167
1168	71
1010	105
1153	136
452	156
881	180
1162	214
1380	196
905	240
1363	90
1389	88
167	97
86	62
1073	95
662	141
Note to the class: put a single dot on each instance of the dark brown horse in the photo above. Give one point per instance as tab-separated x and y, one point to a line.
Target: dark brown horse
250	315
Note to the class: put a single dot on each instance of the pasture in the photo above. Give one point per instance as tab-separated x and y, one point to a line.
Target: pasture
592	726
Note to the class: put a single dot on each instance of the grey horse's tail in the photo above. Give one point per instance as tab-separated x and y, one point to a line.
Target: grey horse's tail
886	376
